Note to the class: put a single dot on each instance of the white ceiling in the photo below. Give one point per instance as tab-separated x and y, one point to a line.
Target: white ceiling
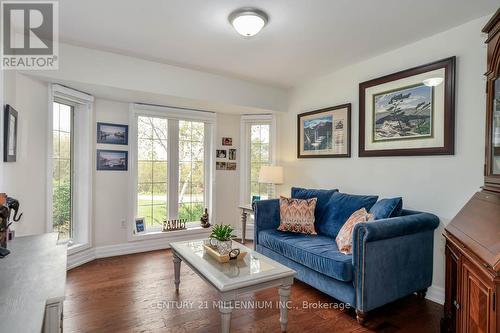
303	39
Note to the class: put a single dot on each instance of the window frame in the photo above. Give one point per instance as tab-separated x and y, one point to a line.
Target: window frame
82	170
245	127
173	116
72	105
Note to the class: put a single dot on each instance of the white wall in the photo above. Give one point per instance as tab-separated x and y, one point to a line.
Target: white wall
83	68
25	179
437	184
227	188
111	188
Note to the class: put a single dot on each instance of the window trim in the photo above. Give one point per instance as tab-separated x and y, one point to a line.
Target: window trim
82	171
170	113
246	122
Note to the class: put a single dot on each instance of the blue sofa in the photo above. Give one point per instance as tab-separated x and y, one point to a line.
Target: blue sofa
391	257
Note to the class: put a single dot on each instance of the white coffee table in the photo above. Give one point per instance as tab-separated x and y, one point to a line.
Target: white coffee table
254	272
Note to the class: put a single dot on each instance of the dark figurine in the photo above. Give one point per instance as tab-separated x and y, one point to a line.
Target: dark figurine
204	219
13	204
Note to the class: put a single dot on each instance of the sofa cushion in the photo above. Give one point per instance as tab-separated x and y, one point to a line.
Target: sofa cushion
319	253
386	208
338	210
344	238
297	215
322	195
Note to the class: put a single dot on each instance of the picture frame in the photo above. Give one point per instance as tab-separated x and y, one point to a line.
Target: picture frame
232	154
231	166
324	133
220	165
409	113
221	153
227	141
10	134
112	160
139	225
113	134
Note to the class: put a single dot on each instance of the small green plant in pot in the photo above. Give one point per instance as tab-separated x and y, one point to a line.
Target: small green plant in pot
221	238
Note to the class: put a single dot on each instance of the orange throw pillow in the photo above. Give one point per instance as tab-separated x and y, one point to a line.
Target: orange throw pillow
297	215
344	237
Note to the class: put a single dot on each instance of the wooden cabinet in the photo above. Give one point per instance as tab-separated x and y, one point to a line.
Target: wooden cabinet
473	236
492	163
472	267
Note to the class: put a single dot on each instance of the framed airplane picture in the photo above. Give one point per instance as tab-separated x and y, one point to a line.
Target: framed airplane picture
411	112
324	133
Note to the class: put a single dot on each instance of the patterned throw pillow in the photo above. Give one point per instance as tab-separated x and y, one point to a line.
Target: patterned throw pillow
297	215
344	238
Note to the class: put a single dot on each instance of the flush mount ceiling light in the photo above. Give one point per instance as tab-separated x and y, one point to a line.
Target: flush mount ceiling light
248	21
433	81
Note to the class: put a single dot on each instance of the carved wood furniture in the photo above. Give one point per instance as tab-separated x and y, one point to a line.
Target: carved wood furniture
473	236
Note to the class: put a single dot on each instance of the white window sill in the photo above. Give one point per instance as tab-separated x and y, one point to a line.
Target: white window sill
77	247
191	231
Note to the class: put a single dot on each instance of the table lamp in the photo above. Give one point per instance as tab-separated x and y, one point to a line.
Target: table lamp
273	175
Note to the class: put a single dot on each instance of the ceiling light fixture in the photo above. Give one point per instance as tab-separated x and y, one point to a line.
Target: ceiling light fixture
248	21
433	81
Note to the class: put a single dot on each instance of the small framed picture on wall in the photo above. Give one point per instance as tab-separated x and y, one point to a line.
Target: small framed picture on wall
114	134
325	132
10	134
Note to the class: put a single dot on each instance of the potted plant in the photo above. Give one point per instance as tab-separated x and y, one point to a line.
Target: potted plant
221	238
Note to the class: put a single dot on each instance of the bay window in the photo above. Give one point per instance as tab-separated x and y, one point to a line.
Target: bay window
172	164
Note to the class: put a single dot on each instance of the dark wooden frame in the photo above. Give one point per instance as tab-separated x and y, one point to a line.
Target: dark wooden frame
449	110
492	28
112	143
9	110
98	168
343	106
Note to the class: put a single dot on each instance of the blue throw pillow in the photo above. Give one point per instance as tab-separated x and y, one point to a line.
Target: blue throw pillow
387	208
340	208
322	195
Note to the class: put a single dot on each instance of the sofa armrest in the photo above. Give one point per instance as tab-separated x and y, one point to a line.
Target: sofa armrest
397	226
392	258
267	216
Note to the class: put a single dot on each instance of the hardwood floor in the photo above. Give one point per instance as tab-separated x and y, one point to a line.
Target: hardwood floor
132	293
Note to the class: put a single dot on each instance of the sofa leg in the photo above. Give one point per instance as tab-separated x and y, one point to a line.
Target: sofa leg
422	293
361	317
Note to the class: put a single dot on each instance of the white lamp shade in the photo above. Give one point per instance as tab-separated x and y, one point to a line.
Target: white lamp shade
271	174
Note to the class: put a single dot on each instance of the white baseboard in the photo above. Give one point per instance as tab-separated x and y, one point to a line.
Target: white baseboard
82	257
435	294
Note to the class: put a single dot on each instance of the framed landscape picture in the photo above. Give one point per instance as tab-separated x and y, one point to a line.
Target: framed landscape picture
409	112
325	132
10	134
114	134
112	160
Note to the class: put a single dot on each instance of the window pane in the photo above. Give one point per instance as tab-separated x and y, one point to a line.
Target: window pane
145	149
64	145
160	150
191	170
152	170
264	133
145	172
144	128
160	172
198	131
62	155
260	155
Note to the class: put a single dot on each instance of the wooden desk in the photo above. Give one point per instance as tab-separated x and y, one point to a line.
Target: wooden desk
245	210
32	285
